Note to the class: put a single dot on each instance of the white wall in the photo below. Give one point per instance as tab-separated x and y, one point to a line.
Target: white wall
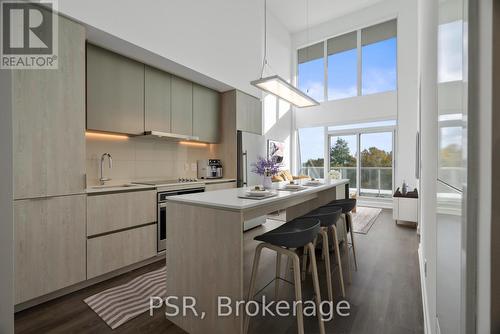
222	39
427	13
483	94
402	105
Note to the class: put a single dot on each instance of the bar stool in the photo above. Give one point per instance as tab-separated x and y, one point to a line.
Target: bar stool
284	240
347	205
328	217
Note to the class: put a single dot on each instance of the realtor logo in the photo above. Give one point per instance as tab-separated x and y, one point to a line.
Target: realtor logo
29	35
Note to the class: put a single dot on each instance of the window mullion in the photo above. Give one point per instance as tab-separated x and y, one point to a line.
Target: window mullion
325	69
359	61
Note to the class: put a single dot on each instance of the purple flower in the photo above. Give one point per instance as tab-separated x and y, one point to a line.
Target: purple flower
265	164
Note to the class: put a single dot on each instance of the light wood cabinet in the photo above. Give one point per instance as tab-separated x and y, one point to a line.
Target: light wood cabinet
115	211
49	251
157	100
248	113
206	113
115	92
49	122
182	106
116	250
218	186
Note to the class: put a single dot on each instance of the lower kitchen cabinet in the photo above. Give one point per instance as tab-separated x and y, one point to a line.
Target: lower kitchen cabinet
116	250
218	186
115	211
50	239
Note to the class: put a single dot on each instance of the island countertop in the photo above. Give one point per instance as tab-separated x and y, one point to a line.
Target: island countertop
227	199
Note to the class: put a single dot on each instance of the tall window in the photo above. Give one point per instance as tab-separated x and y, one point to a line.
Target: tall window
311	151
342	66
347	73
378	64
311	76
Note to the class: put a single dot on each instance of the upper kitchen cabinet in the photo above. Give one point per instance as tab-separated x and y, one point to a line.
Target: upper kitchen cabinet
182	106
157	103
248	113
49	121
206	112
115	92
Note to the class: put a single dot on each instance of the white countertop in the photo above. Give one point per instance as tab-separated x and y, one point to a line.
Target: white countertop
117	188
212	181
228	198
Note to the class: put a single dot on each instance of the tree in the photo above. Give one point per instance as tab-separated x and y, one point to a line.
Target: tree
314	163
340	155
374	157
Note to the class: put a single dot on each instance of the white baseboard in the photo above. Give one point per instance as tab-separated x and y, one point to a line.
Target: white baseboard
423	289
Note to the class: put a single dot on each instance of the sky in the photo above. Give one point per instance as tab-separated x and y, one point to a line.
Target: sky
378	62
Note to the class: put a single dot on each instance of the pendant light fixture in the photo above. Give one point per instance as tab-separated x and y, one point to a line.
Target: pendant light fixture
276	85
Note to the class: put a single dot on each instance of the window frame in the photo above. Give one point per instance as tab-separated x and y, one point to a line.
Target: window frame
359	59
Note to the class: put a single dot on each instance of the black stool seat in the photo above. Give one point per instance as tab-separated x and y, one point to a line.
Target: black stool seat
294	234
327	215
346	204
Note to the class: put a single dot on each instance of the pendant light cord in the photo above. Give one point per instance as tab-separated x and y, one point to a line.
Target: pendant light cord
264	60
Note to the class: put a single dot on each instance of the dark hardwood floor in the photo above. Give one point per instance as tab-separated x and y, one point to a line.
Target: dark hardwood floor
384	296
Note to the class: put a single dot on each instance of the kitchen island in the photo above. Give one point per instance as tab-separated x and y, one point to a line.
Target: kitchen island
209	256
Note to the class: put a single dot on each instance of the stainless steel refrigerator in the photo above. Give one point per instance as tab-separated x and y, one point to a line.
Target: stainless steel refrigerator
250	147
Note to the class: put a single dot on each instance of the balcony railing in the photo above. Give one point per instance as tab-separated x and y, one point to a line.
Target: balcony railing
375	181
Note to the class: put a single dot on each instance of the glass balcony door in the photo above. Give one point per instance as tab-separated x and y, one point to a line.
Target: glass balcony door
376	164
344	157
366	159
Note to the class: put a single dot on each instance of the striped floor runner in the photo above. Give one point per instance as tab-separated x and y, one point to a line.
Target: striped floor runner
124	302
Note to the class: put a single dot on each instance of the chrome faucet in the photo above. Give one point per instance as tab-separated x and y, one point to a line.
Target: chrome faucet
103	179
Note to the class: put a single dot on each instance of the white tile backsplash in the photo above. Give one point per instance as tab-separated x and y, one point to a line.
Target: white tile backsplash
141	158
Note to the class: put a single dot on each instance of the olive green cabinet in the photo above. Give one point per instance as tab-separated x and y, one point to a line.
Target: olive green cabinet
115	92
206	113
248	113
182	106
157	103
49	121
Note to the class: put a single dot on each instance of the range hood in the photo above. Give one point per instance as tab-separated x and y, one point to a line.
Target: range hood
169	136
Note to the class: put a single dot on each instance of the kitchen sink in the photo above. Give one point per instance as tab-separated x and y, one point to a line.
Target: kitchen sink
114	186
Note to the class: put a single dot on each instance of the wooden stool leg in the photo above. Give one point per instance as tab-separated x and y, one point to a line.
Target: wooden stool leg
326	256
346	249
304	263
312	257
298	292
349	218
251	289
339	261
278	276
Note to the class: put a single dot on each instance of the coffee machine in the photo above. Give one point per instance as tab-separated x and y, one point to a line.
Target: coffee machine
209	169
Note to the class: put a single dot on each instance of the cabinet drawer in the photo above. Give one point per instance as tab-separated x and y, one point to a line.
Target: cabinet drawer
116	250
218	186
112	212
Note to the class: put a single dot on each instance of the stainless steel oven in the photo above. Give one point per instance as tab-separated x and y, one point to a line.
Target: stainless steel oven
162	212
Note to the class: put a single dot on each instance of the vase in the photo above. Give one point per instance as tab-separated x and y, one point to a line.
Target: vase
267	182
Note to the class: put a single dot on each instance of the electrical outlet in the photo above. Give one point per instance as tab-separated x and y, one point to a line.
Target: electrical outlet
193	167
186	167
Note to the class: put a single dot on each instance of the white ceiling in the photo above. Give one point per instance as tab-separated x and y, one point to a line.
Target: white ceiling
292	13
